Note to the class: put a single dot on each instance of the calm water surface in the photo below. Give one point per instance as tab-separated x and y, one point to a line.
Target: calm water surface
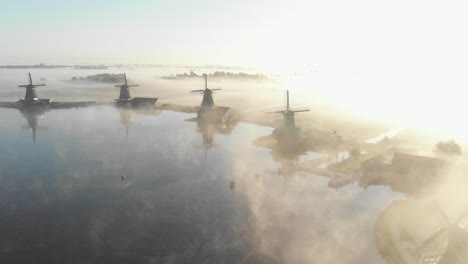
63	200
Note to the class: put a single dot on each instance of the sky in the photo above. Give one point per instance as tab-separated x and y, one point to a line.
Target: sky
405	58
361	34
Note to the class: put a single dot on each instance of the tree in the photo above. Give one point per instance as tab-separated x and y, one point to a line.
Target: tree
449	147
355	152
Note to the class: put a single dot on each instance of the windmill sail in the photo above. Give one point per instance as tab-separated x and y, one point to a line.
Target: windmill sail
288	113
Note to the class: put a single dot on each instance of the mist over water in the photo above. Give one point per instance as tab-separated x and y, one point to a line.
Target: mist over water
276	132
351	94
103	184
179	204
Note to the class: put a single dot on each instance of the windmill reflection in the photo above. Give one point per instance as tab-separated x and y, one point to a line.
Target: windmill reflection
209	125
126	115
32	116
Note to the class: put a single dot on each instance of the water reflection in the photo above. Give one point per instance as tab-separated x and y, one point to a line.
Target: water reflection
73	197
126	115
70	202
32	117
208	129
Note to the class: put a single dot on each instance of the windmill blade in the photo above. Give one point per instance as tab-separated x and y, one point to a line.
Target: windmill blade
133	85
13	105
39	128
125	78
300	110
206	80
460	219
30	79
439	232
192	120
29	85
217	89
197	91
433	237
247	109
276	112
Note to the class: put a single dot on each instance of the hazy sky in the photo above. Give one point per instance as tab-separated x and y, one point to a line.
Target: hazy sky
352	34
405	59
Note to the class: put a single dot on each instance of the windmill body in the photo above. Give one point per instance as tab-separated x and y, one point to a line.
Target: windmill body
124	93
289	120
207	99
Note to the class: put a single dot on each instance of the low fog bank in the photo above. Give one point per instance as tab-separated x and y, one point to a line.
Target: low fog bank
335	99
250	97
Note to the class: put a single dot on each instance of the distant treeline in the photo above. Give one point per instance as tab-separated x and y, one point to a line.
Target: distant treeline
37	66
103	78
218	74
90	67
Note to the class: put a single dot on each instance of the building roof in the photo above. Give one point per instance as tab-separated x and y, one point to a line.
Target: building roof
403	162
374	163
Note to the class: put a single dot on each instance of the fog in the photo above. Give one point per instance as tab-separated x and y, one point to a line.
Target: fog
329	132
195	193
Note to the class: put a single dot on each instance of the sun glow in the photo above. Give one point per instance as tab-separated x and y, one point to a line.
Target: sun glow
399	105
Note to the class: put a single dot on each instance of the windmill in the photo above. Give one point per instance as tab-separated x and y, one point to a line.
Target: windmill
289	144
31	96
288	113
207	94
32	107
125	90
125	98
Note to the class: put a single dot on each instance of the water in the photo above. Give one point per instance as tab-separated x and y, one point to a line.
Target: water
63	199
386	135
